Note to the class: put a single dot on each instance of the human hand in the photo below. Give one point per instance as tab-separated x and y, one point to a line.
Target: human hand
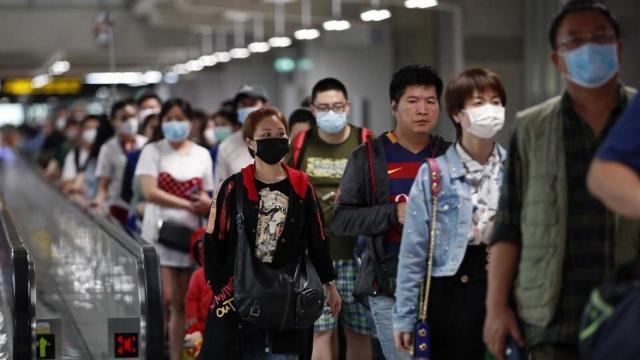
201	203
403	340
333	300
401	209
500	323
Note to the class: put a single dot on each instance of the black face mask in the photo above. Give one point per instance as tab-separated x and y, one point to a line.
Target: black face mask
272	150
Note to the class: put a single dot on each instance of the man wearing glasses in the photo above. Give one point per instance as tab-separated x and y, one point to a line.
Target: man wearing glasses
322	152
553	241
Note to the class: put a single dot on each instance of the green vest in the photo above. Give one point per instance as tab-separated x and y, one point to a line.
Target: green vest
543	222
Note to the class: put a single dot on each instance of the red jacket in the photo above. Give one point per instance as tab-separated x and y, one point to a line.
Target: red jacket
197	301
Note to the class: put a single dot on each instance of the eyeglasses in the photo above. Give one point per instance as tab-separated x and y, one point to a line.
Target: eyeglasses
573	42
337	107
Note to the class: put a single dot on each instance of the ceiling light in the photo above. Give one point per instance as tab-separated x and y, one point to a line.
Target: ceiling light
222	56
336	25
171	78
279	41
60	67
180	69
208	60
259	47
40	81
194	65
306	34
420	4
152	77
375	15
239	53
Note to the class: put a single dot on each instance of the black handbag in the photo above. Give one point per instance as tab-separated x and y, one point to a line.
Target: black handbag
175	236
291	297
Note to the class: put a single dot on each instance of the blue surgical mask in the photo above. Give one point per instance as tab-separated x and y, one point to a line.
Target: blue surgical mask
222	132
243	113
176	131
592	65
331	122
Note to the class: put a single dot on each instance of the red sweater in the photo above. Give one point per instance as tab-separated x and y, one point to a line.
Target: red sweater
197	301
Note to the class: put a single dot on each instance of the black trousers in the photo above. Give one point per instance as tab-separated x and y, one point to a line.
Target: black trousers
456	309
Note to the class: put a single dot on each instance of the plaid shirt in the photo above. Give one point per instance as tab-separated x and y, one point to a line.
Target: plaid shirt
588	259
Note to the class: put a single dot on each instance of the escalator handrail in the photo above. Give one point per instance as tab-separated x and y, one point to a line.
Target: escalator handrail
148	264
23	297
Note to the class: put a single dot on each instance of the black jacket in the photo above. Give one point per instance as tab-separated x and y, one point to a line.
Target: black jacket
303	231
358	210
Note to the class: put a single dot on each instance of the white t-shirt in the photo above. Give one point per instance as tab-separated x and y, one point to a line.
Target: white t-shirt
160	157
69	169
112	162
233	156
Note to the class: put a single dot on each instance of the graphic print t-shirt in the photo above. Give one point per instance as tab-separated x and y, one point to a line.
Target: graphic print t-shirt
272	216
325	164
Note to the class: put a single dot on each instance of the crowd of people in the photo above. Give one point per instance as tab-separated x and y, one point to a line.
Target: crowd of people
433	248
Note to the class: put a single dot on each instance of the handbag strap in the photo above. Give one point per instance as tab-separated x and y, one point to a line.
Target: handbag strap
435	187
239	207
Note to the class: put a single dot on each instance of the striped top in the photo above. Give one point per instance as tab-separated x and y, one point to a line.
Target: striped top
402	168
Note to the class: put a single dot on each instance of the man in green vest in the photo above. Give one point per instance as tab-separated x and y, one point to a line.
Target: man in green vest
553	241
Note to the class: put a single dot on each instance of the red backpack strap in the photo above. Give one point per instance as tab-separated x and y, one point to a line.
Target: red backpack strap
365	135
371	172
298	143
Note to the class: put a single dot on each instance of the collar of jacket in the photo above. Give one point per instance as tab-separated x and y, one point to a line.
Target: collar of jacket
298	179
454	164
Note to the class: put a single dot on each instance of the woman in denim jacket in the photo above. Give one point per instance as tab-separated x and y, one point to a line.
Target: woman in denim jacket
472	172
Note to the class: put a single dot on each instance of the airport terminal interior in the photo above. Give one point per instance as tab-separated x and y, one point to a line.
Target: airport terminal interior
82	274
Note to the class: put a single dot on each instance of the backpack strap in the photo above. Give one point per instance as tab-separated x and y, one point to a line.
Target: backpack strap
298	144
365	135
372	176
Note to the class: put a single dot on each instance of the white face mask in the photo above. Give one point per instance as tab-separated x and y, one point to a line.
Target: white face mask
130	126
210	136
485	121
89	136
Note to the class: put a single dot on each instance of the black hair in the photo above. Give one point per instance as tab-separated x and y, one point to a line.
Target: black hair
184	105
105	132
228	114
418	74
301	116
146	96
327	84
119	105
575	6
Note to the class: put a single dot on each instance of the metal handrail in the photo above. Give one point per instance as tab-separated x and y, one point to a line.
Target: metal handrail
23	295
148	266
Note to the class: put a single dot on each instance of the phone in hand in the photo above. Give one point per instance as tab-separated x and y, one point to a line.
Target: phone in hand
513	351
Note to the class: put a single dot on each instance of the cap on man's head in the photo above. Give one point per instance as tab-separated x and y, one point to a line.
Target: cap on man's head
252	91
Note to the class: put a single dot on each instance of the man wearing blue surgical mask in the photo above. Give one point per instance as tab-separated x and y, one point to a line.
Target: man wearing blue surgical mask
553	241
233	154
322	152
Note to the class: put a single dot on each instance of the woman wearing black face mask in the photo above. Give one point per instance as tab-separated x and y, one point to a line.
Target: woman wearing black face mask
282	222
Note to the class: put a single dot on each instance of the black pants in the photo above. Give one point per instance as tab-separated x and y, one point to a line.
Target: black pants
456	309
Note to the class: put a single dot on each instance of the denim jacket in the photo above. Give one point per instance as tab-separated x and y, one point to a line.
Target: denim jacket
452	233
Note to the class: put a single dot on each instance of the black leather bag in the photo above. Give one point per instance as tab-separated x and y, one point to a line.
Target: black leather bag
175	236
291	297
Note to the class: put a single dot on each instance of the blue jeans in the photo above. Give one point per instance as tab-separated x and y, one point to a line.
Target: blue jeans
382	313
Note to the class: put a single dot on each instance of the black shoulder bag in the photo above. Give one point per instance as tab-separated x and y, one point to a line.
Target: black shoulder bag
291	297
